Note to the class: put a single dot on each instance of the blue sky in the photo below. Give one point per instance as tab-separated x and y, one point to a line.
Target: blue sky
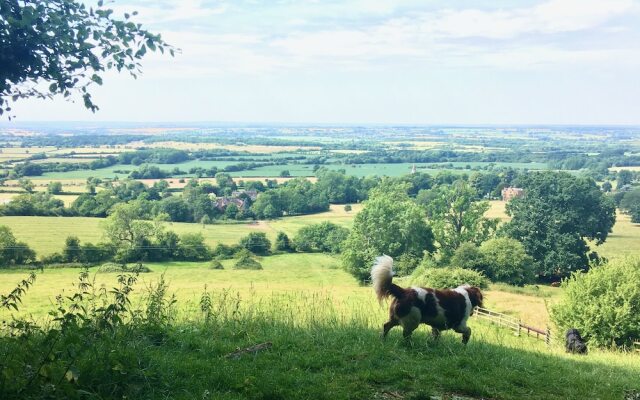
378	61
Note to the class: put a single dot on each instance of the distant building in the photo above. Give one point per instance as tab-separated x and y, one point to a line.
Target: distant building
223	202
509	193
253	194
413	169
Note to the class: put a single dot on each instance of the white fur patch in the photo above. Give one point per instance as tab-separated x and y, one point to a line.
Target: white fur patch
468	308
422	294
411	320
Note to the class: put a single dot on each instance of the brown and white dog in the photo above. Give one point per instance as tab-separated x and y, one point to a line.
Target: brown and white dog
441	309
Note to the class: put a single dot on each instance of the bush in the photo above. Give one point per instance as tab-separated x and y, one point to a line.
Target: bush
324	237
192	248
257	243
283	243
468	256
441	278
114	267
225	252
505	260
13	252
246	261
215	264
603	304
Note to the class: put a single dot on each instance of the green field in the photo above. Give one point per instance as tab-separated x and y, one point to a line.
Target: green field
323	330
46	235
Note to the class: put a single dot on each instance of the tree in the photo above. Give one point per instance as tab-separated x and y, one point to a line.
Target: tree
606	187
257	243
389	223
630	204
285	173
323	237
556	217
54	187
13	252
57	47
506	261
282	242
456	217
625	177
71	251
127	233
26	184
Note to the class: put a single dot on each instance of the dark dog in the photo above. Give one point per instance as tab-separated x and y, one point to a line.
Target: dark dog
441	309
575	343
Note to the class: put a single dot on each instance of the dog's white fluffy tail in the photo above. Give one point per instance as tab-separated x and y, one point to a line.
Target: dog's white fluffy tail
381	276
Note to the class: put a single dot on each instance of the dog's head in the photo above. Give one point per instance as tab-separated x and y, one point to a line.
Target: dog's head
475	296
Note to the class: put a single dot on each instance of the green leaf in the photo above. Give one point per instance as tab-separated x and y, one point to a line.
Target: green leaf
53	87
96	79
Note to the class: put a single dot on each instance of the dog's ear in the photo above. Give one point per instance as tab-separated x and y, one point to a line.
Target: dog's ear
475	295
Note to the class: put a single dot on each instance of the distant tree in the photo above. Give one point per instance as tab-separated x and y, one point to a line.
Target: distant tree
630	204
389	223
555	218
13	252
323	237
505	260
468	256
72	250
606	187
127	233
231	211
457	217
625	177
257	243
54	187
347	208
285	173
282	243
87	41
193	248
26	184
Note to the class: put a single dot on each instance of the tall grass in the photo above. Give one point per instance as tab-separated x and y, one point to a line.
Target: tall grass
100	344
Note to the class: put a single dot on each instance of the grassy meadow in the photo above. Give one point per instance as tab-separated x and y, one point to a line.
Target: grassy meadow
323	335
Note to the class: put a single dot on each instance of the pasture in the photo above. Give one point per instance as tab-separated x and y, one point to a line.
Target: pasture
323	331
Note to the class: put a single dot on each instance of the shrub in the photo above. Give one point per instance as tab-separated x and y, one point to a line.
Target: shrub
246	261
324	237
468	256
347	208
215	264
225	252
13	252
114	267
447	277
111	267
505	260
192	248
282	243
256	242
603	304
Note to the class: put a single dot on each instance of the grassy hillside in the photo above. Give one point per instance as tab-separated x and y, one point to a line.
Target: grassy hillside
324	334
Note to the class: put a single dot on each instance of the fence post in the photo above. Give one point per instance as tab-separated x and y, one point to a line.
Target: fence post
548	337
519	327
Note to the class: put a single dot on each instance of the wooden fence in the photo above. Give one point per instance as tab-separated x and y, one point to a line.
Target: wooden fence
513	323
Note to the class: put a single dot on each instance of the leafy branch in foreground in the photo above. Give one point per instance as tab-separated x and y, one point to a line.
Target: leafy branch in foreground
14	298
54	47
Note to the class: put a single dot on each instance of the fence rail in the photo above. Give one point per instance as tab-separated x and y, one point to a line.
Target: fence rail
636	346
513	324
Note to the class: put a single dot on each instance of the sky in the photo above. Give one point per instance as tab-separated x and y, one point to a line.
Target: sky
376	61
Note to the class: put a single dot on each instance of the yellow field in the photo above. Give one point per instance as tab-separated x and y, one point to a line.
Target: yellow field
67	198
233	147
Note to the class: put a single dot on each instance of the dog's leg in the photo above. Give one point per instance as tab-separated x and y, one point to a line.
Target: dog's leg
466	332
435	333
387	327
466	335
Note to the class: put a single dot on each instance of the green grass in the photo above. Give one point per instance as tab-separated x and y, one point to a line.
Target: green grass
324	330
46	235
